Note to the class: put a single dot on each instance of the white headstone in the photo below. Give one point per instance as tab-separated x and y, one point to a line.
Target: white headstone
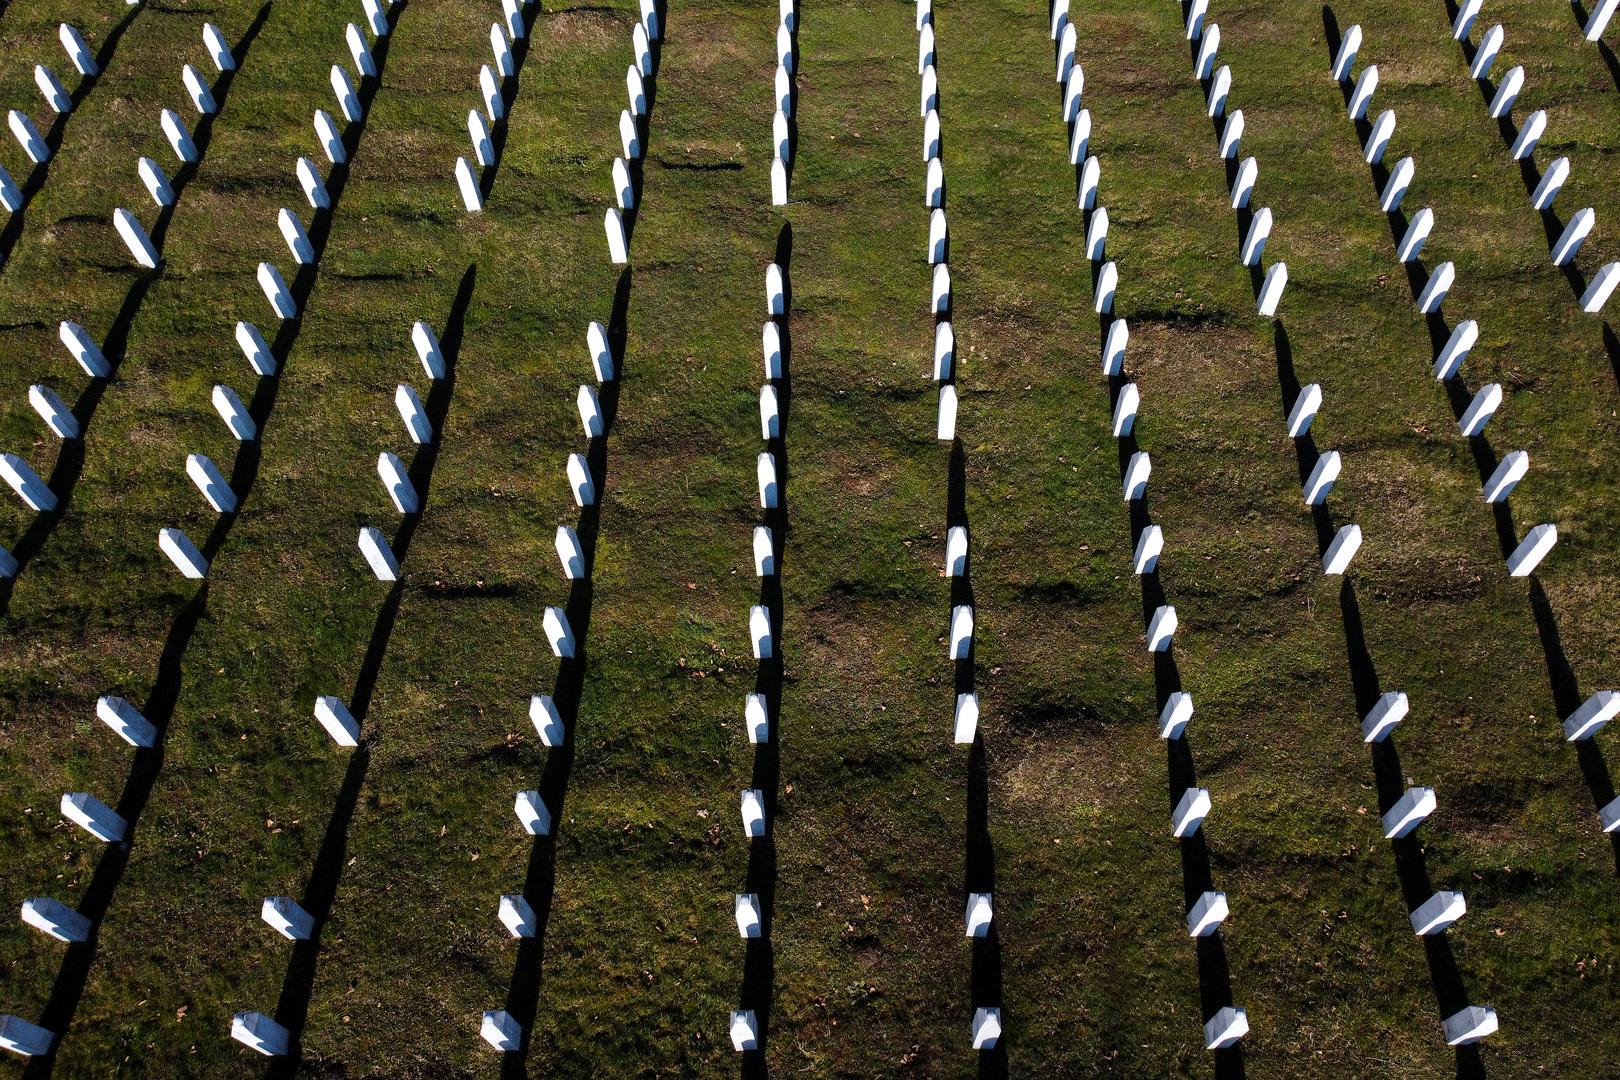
337	720
379	556
501	1030
1456	349
417	425
617	241
376	18
930	143
1060	17
978	915
1609	816
1090	177
56	919
784	91
1102	301
292	231
1231	134
784	48
1346	542
52	90
1067	41
94	816
1176	714
753	813
965	727
1467	12
1161	629
174	129
1434	291
744	1030
183	553
940	299
52	410
276	291
1480	410
1254	243
1530	133
635	90
11	196
287	917
765	467
936	237
757	718
749	922
1097	234
944	351
1197	10
1207	914
1552	181
471	197
478	133
1531	550
1573	236
28	138
590	412
580	480
1470	1025
1388	711
197	90
135	238
1191	810
1137	471
1417	231
489	92
1149	546
547	721
945	427
1593	714
1248	171
26	483
234	413
1345	58
1306	406
1506	477
779	182
1209	44
602	360
1400	178
770	416
78	52
533	813
1126	403
1489	46
397	483
1219	88
1080	137
326	133
986	1027
84	349
1438	912
126	721
1226	1027
1361	96
1603	283
156	181
624	192
218	48
1409	811
961	633
1271	290
781	142
759	632
1322	477
1113	356
517	915
211	482
771	347
1378	139
1074	89
1507	93
259	1032
1602	12
764	551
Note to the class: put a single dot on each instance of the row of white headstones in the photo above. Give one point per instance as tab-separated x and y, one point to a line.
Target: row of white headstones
512	28
56	98
1604	705
1441	910
1229	1023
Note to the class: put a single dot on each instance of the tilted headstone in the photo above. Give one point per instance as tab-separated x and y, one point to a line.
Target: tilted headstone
1361	96
1417	231
1232	135
1531	550
1102	301
135	238
979	913
517	915
1594	713
779	182
1208	45
744	1030
1506	476
1113	355
1271	290
1090	178
1378	139
1254	243
749	922
376	17
1074	89
1126	403
94	816
1489	46
1602	12
478	133
1346	542
1455	350
784	91
1345	58
1207	914
1480	410
501	1030
1573	236
1226	1028
753	813
489	92
944	351
1176	714
52	90
1067	42
1387	712
1197	10
52	410
197	90
56	919
337	720
1438	912
1161	629
126	721
11	196
1507	93
590	412
174	129
397	483
757	718
961	631
1467	12
759	632
261	1033
965	727
1097	234
287	917
1400	178
930	144
624	191
580	480
769	493
28	137
218	49
348	101
1220	87
559	633
234	413
602	359
1470	1025
775	291
84	349
1322	477
1248	171
292	231
986	1028
1551	183
934	193
379	556
183	554
1191	810
547	721
1080	137
1436	288
471	197
764	551
276	291
211	482
1603	283
1409	811
533	813
26	483
1530	133
1306	406
940	299
1137	471
1149	546
22	1037
414	415
254	347
936	237
329	138
945	425
156	181
78	53
618	242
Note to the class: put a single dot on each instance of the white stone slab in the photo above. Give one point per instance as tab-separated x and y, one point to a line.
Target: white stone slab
259	1032
287	917
559	633
1322	478
764	551
501	1030
1602	285
1438	912
1470	1025
533	813
26	483
1574	234
1530	133
1361	96
1137	472
759	632
1409	811
1190	811
94	816
1248	171
215	489
55	919
547	720
326	133
517	915
961	633
1102	301
134	236
1126	403
1345	58
126	721
379	556
1161	629
1485	56
338	721
1346	542
183	553
1388	711
753	813
1207	914
52	90
1480	410
1176	714
1226	1028
602	359
744	1030
414	415
78	52
749	922
986	1027
965	725
1552	181
1149	545
156	181
1378	139
28	137
52	410
234	413
757	718
218	48
1531	550
937	235
1593	714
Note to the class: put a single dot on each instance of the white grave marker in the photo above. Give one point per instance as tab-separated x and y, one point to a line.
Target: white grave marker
63	424
126	721
276	291
84	349
56	919
1137	472
501	1030
986	1027
1207	914
1322	477
1438	912
1226	1027
517	915
1248	171
234	413
1191	810
753	813
1574	235
253	346
1489	46
397	483
1470	1025
1125	406
749	922
379	556
764	551
337	720
183	553
1176	714
211	482
259	1032
1531	550
1149	546
78	53
744	1030
27	484
533	813
1593	714
759	632
1361	96
547	721
1271	290
756	718
1603	283
1530	133
135	238
218	48
28	137
1346	542
94	816
1345	58
1480	410
1409	811
156	181
52	90
1306	406
1506	477
1161	631
287	917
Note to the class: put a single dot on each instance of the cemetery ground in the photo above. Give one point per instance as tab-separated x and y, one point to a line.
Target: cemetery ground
411	837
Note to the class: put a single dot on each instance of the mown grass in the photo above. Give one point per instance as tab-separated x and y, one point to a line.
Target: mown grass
871	975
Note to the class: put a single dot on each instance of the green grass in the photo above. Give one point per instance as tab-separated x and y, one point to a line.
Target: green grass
640	963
